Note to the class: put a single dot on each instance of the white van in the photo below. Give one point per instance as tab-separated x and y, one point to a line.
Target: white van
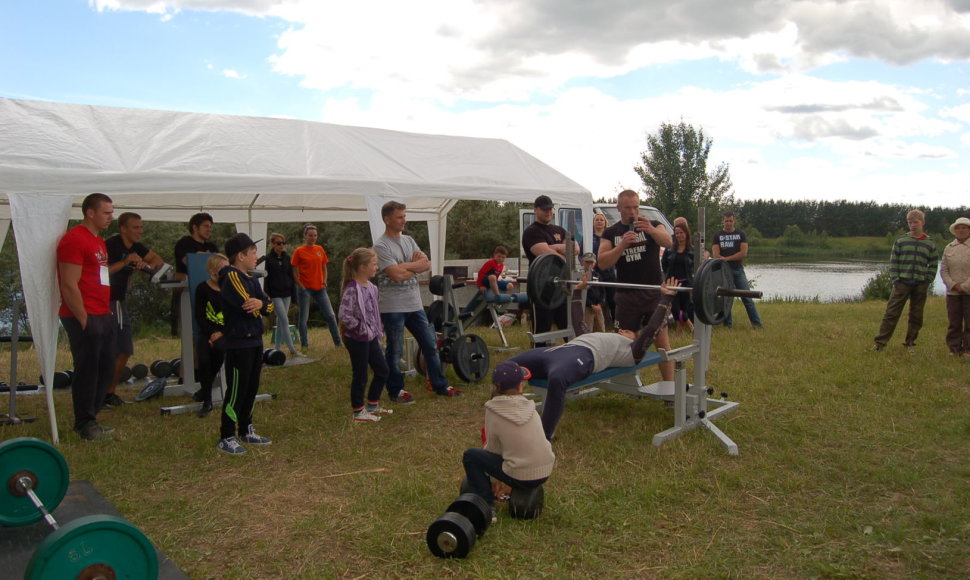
571	219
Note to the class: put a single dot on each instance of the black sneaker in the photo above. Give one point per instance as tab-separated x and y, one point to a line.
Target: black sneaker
113	400
93	431
204	411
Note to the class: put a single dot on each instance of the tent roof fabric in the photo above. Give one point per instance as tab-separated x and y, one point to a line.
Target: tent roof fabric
168	165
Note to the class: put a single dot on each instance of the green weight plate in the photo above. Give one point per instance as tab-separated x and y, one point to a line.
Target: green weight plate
93	546
44	465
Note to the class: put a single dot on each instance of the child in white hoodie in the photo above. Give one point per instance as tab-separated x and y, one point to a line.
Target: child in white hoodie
516	450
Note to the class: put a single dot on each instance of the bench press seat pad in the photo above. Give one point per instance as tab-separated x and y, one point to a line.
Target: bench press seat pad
650	359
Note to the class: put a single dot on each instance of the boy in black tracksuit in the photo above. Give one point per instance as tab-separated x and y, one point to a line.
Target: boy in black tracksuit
243	301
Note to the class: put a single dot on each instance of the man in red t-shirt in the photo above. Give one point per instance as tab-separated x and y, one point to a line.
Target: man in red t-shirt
82	272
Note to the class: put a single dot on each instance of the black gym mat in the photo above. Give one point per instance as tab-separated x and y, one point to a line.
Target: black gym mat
17	544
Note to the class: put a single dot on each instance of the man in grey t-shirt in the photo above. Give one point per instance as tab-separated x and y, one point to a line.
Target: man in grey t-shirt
399	261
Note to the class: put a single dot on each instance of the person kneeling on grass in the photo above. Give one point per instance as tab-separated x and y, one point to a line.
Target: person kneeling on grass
591	353
243	301
516	452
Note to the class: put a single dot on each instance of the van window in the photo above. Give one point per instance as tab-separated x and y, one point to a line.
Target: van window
571	220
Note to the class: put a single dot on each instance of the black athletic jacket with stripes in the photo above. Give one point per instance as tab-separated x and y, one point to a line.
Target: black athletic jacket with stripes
243	329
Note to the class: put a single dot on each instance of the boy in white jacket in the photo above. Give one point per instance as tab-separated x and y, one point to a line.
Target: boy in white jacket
516	450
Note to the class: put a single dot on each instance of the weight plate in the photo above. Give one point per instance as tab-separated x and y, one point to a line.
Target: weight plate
543	289
419	364
436	285
476	509
451	536
139	371
440	313
153	389
708	306
469	355
125	374
161	369
526	504
62	380
47	470
175	366
92	547
273	357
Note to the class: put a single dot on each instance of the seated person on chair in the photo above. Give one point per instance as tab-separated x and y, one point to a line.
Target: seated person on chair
590	353
515	452
490	280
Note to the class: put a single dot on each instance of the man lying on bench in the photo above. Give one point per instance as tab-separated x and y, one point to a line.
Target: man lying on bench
590	353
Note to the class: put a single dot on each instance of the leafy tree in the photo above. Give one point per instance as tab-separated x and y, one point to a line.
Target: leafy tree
675	176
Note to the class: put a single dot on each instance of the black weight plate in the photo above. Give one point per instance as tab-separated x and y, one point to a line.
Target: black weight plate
43	465
94	547
526	504
476	509
451	536
419	364
436	285
161	368
175	366
153	389
62	380
469	355
275	358
708	306
441	313
125	374
542	287
139	371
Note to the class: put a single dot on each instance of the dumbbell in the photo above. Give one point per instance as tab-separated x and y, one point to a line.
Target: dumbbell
62	379
273	357
139	371
161	368
33	481
175	366
125	374
453	534
526	504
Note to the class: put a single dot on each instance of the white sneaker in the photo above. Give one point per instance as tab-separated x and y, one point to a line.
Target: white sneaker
364	416
378	410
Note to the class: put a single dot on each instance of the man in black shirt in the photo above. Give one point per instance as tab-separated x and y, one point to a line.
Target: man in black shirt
126	254
197	242
544	237
633	245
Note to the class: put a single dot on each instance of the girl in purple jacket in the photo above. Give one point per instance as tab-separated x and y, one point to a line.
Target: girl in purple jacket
360	325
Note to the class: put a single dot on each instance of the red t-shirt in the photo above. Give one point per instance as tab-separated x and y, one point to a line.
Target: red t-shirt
488	268
310	261
80	246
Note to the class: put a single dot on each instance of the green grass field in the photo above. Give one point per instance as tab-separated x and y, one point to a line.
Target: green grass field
853	464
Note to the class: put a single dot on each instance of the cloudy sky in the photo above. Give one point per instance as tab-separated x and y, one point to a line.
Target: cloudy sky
804	99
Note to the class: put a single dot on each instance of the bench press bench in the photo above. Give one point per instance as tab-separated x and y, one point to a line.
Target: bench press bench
691	405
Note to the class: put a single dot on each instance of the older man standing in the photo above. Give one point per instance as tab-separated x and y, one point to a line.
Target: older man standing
82	272
955	271
633	246
399	261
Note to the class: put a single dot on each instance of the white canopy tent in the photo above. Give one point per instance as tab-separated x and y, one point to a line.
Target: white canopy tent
249	171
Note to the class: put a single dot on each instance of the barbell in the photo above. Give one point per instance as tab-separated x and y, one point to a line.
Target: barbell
33	481
550	281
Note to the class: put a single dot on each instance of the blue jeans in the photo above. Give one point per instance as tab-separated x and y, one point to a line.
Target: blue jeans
741	283
422	331
323	302
480	464
282	306
503	298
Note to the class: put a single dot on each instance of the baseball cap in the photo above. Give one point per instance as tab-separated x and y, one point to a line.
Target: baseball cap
508	374
239	243
544	202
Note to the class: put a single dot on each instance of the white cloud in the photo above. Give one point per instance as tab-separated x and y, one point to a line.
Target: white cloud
233	74
961	112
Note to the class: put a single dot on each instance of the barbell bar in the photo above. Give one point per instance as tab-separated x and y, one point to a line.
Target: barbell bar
550	279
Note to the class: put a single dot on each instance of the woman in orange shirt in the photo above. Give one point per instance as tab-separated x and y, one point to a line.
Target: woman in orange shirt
310	274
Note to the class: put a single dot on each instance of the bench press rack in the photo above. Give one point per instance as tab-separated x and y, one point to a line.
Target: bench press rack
692	405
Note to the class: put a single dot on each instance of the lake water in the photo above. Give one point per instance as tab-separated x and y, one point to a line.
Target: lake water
828	281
